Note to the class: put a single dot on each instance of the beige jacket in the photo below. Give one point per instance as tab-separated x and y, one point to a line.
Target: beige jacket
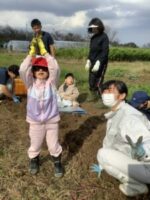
148	105
71	93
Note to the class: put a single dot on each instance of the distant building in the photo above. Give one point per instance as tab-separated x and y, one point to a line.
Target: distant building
23	46
18	45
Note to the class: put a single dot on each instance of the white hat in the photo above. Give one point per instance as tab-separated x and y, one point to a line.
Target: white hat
92	26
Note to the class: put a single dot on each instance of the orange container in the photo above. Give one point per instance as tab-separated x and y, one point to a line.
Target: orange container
20	88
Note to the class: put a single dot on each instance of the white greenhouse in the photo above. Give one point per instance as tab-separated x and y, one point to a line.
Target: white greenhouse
18	45
23	46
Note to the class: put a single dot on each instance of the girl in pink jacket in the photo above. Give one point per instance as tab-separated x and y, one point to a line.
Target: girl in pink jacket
40	76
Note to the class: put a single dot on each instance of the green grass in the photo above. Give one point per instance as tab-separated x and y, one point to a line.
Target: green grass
115	53
7	59
135	74
81	137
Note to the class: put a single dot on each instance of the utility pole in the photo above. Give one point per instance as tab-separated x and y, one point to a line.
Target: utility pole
26	32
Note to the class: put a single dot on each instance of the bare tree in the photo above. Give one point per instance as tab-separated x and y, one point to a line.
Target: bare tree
8	33
146	45
112	34
67	36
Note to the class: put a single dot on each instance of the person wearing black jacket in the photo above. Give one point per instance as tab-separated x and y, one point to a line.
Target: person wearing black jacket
97	60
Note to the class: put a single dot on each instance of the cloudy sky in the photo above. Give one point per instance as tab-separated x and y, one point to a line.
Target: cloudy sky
130	19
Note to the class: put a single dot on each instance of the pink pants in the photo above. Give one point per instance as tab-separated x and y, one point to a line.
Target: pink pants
37	133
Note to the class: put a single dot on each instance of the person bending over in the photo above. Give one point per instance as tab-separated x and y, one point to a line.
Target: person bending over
7	84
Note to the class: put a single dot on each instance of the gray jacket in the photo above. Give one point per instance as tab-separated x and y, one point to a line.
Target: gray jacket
126	120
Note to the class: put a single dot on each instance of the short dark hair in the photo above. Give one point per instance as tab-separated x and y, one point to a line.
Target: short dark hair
14	69
69	74
35	22
99	23
120	85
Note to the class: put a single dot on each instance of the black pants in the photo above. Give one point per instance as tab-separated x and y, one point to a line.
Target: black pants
96	78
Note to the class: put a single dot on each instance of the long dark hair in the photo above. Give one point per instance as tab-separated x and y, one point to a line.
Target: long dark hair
97	22
14	69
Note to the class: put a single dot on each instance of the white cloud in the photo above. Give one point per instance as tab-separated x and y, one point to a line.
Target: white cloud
12	18
134	1
74	15
77	20
125	14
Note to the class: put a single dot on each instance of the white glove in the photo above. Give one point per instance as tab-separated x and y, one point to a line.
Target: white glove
96	66
88	65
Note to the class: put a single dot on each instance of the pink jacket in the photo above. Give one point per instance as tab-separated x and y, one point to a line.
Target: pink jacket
41	95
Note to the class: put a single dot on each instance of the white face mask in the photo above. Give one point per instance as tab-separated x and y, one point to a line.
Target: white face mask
109	99
91	35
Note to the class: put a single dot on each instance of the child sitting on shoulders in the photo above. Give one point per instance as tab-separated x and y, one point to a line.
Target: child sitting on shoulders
68	92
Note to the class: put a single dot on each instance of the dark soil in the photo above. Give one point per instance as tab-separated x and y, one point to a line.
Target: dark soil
80	136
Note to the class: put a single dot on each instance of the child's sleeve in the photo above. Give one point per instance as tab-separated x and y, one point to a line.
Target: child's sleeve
54	70
61	91
73	96
148	104
25	71
75	93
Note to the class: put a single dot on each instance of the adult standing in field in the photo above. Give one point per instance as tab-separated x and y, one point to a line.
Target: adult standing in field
97	60
7	76
125	154
45	36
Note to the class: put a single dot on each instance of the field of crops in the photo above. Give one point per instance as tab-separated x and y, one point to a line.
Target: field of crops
116	54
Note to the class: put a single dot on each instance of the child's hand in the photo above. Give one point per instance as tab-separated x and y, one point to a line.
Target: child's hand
65	97
62	95
16	99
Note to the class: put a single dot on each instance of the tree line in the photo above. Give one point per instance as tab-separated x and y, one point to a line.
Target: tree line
10	33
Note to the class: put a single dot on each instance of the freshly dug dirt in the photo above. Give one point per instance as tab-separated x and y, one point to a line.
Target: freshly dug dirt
80	136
